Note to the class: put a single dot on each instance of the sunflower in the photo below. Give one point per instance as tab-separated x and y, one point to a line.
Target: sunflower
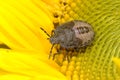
24	48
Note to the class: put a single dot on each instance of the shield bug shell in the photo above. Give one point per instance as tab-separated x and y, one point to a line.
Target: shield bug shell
72	35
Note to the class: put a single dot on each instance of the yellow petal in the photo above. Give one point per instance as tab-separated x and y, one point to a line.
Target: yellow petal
23	77
13	77
46	77
117	62
20	25
3	72
19	63
53	4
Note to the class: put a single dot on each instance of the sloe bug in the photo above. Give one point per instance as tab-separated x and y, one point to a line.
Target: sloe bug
72	35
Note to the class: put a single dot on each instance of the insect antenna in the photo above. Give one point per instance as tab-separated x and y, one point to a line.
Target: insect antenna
45	32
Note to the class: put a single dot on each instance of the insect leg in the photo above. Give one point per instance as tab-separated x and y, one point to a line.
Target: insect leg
67	57
58	48
83	49
51	51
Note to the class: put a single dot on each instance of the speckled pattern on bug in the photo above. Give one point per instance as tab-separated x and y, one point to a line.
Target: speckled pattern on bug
72	35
